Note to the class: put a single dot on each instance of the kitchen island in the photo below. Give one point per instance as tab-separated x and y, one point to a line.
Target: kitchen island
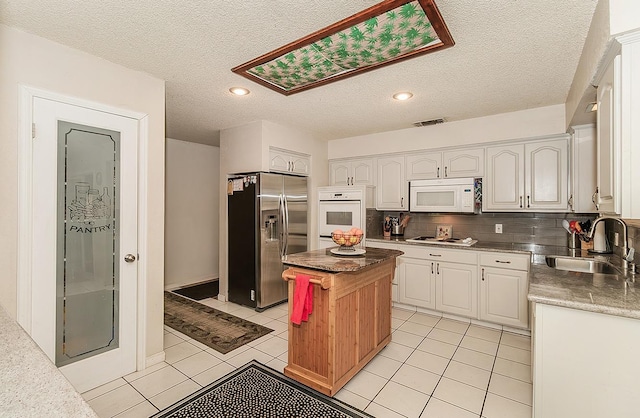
351	318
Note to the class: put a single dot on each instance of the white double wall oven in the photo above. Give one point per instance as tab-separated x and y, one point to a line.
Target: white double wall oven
340	208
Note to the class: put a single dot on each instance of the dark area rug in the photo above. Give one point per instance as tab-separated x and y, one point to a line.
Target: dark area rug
219	330
200	291
255	390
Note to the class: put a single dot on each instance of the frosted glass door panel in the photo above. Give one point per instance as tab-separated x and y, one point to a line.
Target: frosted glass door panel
87	282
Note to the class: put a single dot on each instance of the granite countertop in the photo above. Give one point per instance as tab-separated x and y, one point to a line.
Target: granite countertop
504	247
603	293
613	294
324	260
30	384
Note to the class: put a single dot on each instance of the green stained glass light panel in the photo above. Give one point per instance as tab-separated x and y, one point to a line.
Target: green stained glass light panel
383	34
87	282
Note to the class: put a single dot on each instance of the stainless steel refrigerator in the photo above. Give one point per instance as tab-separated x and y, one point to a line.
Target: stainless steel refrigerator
267	219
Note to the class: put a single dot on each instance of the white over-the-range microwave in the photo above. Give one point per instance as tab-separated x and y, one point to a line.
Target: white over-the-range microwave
442	195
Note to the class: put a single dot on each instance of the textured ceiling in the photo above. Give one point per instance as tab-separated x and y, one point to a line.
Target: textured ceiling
509	55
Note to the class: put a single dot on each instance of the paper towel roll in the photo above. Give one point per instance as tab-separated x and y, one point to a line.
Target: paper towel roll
600	239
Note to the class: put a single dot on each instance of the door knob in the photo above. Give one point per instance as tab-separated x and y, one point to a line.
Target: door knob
129	258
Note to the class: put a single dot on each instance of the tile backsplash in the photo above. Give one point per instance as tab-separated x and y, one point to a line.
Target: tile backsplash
521	228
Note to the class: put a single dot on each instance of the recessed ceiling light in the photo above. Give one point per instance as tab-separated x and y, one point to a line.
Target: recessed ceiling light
405	95
239	91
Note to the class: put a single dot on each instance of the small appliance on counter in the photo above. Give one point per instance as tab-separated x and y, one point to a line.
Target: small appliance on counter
395	225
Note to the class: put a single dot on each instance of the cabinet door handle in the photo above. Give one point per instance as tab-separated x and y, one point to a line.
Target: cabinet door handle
520	201
483	275
593	198
528	201
570	202
437	268
402	202
503	262
438	174
445	171
435	255
431	268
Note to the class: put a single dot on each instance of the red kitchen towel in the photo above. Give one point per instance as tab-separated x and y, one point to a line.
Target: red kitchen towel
302	299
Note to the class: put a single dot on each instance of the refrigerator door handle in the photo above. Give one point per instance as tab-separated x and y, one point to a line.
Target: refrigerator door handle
281	226
286	225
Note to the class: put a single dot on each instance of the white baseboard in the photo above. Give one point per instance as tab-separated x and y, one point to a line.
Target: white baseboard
485	324
221	297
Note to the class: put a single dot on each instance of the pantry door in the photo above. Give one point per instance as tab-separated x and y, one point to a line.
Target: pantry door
84	240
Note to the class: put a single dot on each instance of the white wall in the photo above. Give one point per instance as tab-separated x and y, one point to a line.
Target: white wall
624	16
541	121
191	213
246	149
34	61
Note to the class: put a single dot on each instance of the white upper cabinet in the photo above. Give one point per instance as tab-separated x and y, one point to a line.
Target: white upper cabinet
608	140
530	176
463	163
392	186
283	161
583	177
446	164
424	166
503	186
356	172
546	175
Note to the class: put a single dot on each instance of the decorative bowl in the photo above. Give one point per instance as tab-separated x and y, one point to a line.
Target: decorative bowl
346	239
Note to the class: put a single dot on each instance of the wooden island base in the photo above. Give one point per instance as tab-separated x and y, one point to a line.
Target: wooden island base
350	324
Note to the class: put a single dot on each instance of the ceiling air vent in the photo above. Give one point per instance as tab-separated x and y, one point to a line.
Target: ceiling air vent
429	122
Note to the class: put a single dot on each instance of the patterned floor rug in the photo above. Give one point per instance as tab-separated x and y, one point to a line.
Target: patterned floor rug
255	390
219	330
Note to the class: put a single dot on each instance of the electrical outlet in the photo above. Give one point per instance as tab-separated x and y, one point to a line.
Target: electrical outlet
498	228
616	239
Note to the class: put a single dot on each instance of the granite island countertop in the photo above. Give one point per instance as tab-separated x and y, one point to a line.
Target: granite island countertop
30	384
324	260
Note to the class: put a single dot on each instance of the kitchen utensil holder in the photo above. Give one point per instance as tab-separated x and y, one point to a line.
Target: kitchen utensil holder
574	241
397	230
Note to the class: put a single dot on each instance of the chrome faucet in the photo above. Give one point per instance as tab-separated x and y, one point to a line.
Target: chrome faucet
627	253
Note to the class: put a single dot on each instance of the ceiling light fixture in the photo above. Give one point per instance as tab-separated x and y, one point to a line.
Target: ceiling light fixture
239	91
592	107
389	32
405	95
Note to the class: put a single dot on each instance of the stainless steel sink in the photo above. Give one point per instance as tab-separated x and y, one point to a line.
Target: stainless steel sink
583	265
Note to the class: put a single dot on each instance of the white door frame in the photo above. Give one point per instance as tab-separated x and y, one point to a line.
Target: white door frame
25	205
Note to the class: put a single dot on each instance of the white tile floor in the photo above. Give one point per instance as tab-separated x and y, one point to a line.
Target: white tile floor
434	367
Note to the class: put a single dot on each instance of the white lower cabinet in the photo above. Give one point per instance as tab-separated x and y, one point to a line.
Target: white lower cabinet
415	282
504	283
489	286
585	364
457	288
439	279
